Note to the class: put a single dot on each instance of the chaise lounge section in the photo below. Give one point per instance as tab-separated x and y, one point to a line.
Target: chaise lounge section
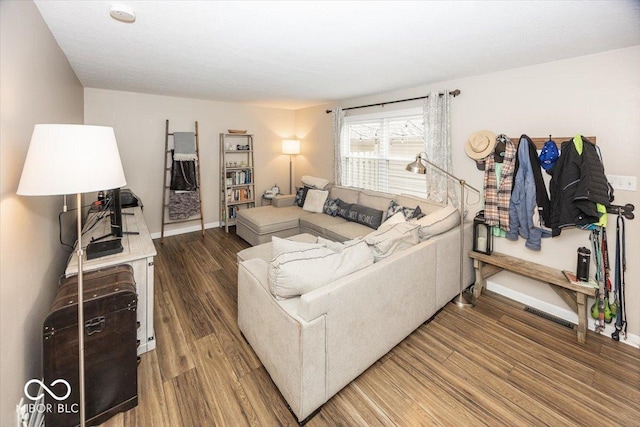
314	344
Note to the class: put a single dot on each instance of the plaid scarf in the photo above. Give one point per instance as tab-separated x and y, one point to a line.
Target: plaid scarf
497	195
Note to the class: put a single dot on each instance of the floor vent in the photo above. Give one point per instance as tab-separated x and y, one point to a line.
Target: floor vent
548	316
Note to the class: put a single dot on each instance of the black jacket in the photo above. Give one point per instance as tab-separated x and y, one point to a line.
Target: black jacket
578	182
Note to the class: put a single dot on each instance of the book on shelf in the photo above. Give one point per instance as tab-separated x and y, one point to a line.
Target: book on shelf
575	281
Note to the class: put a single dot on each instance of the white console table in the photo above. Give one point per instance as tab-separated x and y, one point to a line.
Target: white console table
138	252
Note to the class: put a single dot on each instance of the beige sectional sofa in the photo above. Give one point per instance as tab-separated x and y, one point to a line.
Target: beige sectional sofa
284	219
315	344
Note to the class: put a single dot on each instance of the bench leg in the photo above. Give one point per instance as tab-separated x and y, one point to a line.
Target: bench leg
582	317
480	280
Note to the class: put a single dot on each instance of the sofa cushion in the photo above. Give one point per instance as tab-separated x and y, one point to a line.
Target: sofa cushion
438	222
295	273
392	238
346	231
320	222
314	202
426	206
346	194
375	200
269	219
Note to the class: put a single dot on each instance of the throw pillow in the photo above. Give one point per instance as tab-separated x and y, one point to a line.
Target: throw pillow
411	213
361	214
392	238
393	209
314	182
375	200
338	246
280	246
396	218
438	222
295	273
301	194
367	216
331	206
314	202
344	209
426	206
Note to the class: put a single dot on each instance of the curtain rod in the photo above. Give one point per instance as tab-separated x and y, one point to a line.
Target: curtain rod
382	104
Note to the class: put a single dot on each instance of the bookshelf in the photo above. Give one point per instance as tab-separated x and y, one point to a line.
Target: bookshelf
237	176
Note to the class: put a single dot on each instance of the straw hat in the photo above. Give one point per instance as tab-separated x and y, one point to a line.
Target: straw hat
480	144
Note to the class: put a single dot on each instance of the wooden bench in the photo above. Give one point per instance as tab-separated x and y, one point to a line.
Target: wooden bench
574	295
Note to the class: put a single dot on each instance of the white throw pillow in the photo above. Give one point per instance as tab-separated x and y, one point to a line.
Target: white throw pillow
313	181
280	246
396	218
315	200
392	238
438	222
338	246
295	273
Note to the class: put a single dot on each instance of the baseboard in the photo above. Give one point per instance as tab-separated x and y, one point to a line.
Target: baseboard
561	312
183	230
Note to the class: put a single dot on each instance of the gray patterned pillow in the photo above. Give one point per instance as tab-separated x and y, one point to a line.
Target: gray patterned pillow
331	206
393	209
409	213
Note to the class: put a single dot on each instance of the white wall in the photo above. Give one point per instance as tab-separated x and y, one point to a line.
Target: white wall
38	86
139	124
592	95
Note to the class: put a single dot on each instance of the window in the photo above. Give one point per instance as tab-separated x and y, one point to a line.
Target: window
375	150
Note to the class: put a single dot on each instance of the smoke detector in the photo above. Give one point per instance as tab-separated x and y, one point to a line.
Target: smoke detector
122	13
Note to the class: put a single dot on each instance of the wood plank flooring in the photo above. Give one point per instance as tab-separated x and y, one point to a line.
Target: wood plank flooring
494	364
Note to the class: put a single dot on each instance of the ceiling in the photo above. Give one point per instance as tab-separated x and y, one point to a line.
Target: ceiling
293	54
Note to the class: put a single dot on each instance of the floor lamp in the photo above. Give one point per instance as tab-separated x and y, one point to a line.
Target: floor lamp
290	147
68	159
420	166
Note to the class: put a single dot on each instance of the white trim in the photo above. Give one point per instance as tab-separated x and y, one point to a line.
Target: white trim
183	230
554	310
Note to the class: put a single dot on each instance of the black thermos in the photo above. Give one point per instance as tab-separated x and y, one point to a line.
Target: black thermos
582	270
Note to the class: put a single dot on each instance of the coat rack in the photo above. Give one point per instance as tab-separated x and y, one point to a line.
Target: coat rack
625	211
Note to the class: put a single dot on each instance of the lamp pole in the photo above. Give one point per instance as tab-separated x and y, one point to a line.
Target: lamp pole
418	166
79	253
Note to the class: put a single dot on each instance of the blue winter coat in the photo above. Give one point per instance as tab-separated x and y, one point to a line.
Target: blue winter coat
522	205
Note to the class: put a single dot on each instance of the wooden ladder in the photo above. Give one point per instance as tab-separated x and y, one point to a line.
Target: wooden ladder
166	188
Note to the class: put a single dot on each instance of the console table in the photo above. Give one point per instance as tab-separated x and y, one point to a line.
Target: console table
574	295
138	252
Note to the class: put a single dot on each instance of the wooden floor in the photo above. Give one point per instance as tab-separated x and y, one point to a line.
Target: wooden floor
494	364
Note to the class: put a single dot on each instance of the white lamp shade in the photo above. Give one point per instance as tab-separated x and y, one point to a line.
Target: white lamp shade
290	146
71	159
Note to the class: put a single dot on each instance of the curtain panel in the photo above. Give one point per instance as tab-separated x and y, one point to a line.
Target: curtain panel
337	123
437	141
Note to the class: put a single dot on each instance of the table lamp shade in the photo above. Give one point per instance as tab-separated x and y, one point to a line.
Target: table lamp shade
290	146
71	159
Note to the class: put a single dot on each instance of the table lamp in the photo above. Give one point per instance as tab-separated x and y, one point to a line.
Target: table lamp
67	159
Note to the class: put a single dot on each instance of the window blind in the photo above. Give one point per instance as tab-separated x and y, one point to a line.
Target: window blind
376	150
